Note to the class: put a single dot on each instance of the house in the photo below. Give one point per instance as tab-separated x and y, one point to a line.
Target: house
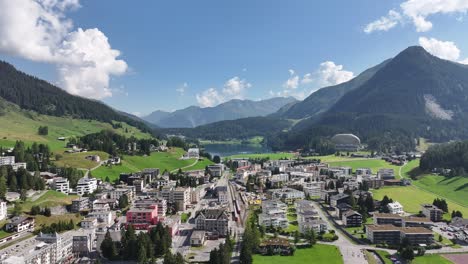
89	223
61	185
273	220
286	195
3	210
395	208
339	198
86	186
459	222
20	224
275	246
104	217
94	158
352	219
363	171
193	153
212	220
197	239
432	211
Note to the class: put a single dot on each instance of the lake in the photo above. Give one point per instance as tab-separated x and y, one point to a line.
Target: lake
224	150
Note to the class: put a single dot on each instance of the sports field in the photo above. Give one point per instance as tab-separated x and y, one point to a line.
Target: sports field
317	255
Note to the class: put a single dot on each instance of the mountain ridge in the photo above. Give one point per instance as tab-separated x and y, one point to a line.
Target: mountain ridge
194	116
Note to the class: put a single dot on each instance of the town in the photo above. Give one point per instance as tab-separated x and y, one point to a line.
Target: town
291	203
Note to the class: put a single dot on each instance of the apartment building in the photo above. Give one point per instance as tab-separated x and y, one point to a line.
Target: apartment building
395	208
179	196
393	235
61	185
213	220
80	204
20	224
352	219
86	186
432	211
142	217
3	210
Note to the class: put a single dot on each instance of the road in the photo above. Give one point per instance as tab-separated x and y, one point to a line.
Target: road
188	166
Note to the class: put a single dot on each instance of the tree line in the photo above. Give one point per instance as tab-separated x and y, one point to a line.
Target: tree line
144	247
453	156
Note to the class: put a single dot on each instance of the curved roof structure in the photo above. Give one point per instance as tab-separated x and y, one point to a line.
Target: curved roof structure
346	139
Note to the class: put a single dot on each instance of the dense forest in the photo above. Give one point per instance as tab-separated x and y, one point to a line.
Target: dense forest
239	129
113	143
453	155
31	93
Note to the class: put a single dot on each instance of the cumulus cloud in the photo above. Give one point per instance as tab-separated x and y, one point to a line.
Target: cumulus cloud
331	74
418	11
384	23
181	89
293	81
442	49
39	30
233	88
327	74
447	50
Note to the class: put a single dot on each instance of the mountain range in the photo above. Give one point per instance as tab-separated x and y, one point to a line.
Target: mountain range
194	116
412	95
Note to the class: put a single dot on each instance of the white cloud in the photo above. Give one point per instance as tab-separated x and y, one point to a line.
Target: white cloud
384	23
327	74
39	31
331	74
307	78
293	81
418	12
137	114
442	49
209	97
181	89
234	88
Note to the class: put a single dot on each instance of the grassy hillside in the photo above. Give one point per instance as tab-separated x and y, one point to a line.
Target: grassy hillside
163	160
373	164
22	125
412	197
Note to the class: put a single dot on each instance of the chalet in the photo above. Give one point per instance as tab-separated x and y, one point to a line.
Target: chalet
352	219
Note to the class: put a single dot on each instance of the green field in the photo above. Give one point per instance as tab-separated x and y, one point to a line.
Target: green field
49	199
42	221
318	254
271	156
431	259
251	141
455	189
373	164
22	125
163	160
78	160
411	198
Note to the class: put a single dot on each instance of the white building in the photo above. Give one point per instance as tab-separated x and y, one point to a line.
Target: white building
61	185
179	196
3	210
105	217
313	188
7	160
395	208
273	220
193	153
86	185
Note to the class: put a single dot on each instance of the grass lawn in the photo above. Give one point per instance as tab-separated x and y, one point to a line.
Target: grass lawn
318	254
113	171
385	256
411	198
431	259
373	164
49	199
271	156
201	165
163	160
78	160
184	217
42	221
356	232
445	240
22	125
455	189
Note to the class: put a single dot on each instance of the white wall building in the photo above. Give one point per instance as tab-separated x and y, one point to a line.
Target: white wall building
395	208
61	185
3	210
86	185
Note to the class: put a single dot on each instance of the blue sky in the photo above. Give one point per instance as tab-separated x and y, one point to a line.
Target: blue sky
221	50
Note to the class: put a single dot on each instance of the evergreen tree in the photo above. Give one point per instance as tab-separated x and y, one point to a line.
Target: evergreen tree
3	187
108	247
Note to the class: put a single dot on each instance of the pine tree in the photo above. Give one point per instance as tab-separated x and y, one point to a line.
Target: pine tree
3	187
108	247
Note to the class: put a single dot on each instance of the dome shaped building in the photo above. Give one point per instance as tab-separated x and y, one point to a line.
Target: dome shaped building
346	142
